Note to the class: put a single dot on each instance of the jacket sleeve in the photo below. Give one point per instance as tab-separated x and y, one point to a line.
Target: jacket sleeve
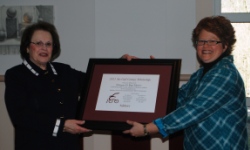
16	100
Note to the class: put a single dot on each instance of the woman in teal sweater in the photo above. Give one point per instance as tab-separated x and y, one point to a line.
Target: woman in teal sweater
211	106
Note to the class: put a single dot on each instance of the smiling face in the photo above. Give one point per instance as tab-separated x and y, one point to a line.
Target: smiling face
206	53
40	54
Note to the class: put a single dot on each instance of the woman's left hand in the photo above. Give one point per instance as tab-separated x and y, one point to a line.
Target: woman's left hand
74	126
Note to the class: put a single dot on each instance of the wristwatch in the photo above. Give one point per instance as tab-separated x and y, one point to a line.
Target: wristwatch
145	130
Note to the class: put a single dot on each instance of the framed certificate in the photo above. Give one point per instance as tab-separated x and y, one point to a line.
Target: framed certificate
118	90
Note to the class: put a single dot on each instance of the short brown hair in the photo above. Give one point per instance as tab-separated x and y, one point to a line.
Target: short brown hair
28	33
221	27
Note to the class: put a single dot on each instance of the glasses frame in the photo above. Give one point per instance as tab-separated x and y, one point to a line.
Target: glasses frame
208	42
41	44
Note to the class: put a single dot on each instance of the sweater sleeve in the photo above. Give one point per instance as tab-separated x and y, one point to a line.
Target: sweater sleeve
212	93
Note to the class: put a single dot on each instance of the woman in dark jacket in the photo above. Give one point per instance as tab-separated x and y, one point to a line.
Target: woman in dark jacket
41	96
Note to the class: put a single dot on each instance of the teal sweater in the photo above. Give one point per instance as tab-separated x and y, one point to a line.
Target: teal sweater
211	110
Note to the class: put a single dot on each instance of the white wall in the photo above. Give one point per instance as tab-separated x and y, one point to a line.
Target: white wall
6	129
110	28
74	20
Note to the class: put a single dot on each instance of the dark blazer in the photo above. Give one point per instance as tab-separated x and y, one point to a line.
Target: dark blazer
34	102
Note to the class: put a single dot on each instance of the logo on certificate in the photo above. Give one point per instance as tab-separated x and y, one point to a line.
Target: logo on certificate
112	98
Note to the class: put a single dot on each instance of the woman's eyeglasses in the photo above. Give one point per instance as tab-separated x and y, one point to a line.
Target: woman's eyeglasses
41	44
208	42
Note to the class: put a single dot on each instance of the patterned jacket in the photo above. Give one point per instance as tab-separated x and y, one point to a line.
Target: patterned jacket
35	99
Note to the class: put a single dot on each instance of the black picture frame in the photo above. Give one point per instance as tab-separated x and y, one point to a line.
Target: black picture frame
169	71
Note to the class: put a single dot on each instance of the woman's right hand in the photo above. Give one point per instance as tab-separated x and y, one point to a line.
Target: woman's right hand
136	130
130	57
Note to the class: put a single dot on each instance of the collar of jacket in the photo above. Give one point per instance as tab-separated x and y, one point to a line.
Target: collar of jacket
36	70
